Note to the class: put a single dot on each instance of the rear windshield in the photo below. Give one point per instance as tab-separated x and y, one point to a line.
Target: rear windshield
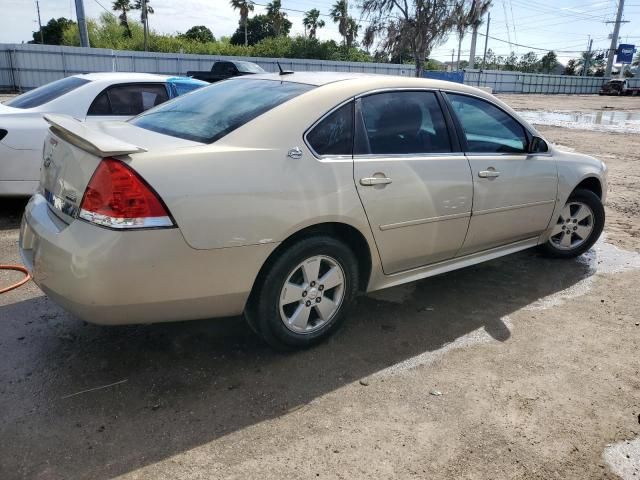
210	113
248	67
46	93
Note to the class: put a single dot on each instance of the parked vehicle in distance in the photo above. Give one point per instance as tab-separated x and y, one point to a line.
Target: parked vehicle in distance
281	197
90	97
223	69
618	86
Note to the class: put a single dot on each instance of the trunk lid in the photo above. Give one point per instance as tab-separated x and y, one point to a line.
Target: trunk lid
73	150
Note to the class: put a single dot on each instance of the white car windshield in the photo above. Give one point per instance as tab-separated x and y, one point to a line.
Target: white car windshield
210	113
46	93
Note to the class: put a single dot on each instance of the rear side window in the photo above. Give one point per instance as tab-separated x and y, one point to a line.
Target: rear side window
210	113
128	100
487	128
46	93
334	134
403	123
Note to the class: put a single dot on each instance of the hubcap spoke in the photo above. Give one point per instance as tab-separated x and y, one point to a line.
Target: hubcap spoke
326	308
557	229
583	231
311	269
582	213
331	279
566	240
300	317
291	293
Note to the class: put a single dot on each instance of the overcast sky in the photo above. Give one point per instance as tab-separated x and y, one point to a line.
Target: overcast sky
561	25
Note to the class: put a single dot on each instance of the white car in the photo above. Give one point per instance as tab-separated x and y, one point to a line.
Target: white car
90	97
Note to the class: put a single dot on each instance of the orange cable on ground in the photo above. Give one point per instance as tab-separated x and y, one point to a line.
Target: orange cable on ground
18	268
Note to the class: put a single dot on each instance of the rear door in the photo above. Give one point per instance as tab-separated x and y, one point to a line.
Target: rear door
414	182
514	191
124	101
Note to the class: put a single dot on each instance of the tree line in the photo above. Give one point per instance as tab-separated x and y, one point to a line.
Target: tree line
396	32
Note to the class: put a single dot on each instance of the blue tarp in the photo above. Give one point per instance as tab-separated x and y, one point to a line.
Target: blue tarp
457	77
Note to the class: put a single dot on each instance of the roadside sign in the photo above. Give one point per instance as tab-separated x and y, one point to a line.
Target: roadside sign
625	53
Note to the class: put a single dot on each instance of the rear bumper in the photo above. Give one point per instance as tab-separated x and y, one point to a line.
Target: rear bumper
112	277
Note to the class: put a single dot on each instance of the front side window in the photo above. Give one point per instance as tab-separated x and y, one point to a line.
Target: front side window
403	123
487	128
46	93
334	134
210	113
128	100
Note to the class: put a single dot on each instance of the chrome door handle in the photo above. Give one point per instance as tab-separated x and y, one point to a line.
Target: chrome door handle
488	174
369	181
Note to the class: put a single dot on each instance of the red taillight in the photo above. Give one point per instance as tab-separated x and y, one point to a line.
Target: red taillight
117	197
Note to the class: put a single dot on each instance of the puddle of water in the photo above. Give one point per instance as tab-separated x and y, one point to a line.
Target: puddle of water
624	458
603	258
608	121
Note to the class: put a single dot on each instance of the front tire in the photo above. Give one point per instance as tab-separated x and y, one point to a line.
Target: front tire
578	227
304	295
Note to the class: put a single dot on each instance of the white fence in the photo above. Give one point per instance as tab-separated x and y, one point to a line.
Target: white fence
518	82
26	66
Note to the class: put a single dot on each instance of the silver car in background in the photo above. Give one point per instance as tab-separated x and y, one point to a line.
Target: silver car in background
281	196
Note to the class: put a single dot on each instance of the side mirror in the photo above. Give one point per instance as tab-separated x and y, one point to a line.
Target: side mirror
538	145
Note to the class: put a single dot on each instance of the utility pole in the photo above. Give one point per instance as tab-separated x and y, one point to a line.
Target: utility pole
453	52
82	24
145	25
585	67
474	38
486	40
614	38
40	22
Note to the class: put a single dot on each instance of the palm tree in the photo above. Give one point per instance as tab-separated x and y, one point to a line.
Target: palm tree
276	15
123	6
352	31
138	6
311	21
340	16
244	6
476	12
461	22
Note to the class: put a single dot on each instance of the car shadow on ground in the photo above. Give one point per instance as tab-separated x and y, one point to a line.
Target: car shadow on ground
186	384
11	209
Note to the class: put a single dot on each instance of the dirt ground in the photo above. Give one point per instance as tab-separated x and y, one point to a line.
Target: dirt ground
522	367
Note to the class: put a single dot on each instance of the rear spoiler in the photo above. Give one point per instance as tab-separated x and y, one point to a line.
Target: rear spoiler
89	139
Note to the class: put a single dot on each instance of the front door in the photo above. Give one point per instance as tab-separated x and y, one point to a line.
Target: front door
514	191
416	187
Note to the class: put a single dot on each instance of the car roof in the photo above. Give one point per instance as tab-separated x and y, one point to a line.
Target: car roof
123	77
368	81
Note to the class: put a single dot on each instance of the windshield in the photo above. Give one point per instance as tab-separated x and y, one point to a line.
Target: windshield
210	113
248	67
46	93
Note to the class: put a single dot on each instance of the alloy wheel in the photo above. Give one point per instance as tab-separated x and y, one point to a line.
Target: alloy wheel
312	294
574	226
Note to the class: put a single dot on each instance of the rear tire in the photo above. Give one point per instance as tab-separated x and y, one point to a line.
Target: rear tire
304	295
578	227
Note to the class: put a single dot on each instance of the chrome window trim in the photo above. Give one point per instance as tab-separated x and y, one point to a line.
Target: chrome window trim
406	156
517	120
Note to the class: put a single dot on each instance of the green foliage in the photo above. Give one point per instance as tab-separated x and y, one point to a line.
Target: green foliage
259	27
53	31
199	33
571	67
107	32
